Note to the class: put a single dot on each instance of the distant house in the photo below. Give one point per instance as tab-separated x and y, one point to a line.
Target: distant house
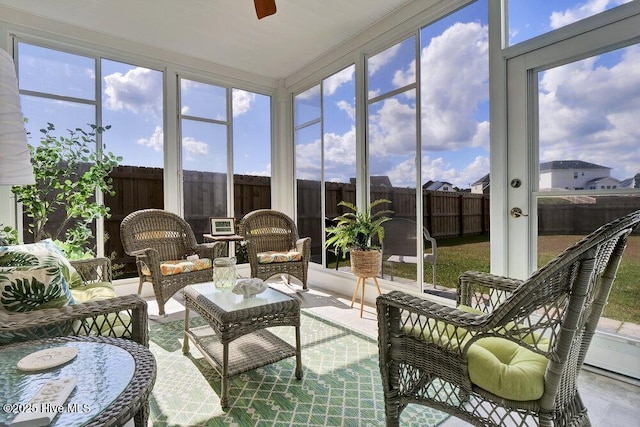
605	183
481	186
631	182
381	180
575	175
438	186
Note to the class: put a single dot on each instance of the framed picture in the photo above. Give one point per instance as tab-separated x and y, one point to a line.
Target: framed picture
222	226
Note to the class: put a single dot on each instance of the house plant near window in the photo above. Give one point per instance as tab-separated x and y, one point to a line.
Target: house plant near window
354	232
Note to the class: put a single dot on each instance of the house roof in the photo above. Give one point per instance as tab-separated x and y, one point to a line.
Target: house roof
435	185
569	164
633	182
598	180
484	180
227	32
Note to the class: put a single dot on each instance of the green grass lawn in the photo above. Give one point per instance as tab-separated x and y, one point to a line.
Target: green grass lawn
457	255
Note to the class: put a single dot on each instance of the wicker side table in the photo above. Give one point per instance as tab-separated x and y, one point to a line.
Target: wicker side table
115	379
236	339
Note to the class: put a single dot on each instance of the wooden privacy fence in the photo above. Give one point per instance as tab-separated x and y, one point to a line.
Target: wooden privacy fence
445	214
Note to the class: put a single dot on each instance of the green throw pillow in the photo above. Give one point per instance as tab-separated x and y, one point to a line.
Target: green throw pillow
27	289
39	254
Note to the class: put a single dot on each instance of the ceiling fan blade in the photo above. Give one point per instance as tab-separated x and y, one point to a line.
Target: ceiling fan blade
265	7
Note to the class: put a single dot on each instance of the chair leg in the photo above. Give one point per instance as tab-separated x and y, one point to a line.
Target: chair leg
433	272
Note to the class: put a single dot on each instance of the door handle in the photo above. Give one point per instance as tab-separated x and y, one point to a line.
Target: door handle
517	213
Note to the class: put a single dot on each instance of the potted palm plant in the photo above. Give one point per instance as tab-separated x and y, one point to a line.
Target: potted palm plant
354	232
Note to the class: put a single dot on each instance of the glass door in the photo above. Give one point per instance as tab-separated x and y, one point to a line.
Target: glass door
574	165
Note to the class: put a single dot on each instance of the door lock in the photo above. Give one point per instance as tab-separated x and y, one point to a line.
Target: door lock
517	213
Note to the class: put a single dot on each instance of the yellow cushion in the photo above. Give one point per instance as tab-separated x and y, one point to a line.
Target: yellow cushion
169	268
497	365
94	292
113	325
275	256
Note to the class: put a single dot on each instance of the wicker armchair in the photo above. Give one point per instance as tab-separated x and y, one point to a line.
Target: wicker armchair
90	318
446	357
271	232
156	236
399	245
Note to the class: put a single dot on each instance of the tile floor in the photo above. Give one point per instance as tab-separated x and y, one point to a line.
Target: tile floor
611	402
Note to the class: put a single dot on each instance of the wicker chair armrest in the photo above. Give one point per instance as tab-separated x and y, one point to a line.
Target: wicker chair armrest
211	250
450	329
484	291
303	245
149	257
93	269
80	319
417	306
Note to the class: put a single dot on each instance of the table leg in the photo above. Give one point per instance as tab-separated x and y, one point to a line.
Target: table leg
224	392
298	355
185	342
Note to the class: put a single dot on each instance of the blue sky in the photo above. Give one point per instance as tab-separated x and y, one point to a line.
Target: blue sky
587	125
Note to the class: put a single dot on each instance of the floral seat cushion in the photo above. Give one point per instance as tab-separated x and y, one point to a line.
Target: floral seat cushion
169	268
270	257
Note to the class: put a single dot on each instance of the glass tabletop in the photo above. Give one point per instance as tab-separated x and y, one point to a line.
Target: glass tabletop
103	372
229	301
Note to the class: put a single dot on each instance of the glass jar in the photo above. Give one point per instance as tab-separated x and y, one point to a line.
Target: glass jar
224	272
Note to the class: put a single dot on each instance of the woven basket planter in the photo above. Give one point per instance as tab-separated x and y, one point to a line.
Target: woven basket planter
366	263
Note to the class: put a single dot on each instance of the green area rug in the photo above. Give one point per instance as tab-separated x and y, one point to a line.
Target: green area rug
341	384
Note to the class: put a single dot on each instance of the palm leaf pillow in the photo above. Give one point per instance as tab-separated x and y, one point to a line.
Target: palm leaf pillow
34	276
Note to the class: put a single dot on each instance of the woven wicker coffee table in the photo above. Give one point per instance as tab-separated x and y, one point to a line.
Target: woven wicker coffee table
239	341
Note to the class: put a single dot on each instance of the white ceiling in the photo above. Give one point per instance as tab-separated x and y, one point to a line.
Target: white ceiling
225	32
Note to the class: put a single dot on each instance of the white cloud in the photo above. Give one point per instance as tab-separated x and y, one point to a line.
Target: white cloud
156	141
347	108
454	83
138	91
309	93
598	124
380	60
242	101
340	149
332	83
404	78
392	129
265	172
581	11
194	148
308	160
438	169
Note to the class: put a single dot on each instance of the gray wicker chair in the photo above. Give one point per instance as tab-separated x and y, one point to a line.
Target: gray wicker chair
154	236
399	245
425	348
81	319
266	230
